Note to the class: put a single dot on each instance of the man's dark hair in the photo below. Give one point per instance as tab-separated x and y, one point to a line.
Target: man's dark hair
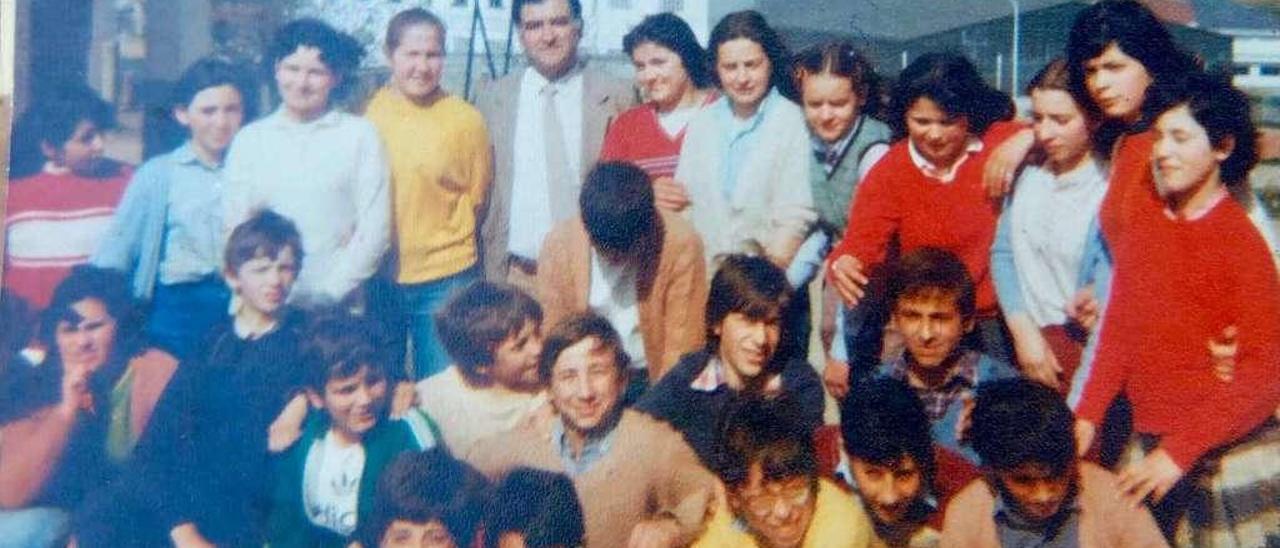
1223	111
751	286
670	31
52	120
108	286
336	345
478	318
766	432
422	487
577	328
617	206
264	234
931	272
339	51
952	82
1019	421
575	9
750	24
882	421
541	505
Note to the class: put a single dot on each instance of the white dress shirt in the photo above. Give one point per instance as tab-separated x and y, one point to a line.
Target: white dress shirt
531	218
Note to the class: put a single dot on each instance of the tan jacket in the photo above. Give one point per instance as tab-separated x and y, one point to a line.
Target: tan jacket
671	289
1105	519
648	472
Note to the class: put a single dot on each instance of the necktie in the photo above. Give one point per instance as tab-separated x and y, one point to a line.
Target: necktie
558	176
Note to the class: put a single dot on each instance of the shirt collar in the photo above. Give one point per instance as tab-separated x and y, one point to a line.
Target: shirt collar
535	79
592	451
186	155
727	116
972	146
838	148
281	119
1004	513
964	369
1199	213
712	378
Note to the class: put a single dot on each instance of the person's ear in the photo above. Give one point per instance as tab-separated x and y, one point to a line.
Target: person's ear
50	152
314	397
969	323
180	114
1224	148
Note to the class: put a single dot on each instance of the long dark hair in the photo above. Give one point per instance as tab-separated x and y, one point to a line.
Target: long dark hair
952	82
750	24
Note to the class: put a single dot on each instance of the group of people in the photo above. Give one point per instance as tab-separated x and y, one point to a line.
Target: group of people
556	316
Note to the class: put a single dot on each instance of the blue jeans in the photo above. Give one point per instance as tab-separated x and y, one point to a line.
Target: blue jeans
33	527
182	314
421	301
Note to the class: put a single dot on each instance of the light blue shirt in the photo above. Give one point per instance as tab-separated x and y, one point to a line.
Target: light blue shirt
193	219
592	451
740	136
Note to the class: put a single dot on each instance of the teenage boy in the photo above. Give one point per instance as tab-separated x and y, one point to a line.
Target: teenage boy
493	331
324	484
892	461
425	499
933	310
776	498
744	312
1036	493
639	483
63	194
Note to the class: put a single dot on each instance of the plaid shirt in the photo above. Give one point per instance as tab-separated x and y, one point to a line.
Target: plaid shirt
958	385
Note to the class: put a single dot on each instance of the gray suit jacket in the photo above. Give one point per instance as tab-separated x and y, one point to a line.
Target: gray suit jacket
604	96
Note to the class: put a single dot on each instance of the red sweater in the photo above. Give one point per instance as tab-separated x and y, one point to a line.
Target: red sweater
898	199
1177	285
52	223
637	136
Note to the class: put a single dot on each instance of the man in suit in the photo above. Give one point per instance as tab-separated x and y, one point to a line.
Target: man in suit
548	123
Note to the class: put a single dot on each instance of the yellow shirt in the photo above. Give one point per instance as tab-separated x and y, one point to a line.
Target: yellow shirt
440	171
839	521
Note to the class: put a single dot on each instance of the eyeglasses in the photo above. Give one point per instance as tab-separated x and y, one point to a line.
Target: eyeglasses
762	501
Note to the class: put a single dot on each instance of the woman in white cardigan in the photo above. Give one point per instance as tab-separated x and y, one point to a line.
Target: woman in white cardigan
745	158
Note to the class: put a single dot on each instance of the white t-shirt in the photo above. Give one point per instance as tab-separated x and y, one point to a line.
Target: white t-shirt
331	485
613	295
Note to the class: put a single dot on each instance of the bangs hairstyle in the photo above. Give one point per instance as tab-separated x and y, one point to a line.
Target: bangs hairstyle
1225	114
408	19
478	318
264	234
212	72
617	206
840	59
766	432
340	52
751	25
422	487
1131	27
932	273
107	286
751	286
53	119
336	345
882	421
1054	76
671	32
1019	421
952	82
543	506
577	328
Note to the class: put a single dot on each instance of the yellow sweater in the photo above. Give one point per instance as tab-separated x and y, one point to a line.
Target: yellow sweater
838	522
440	172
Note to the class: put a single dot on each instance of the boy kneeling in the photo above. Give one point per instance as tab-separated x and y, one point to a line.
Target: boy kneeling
325	482
1036	493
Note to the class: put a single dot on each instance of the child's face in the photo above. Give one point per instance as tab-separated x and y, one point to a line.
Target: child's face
1183	159
263	283
1034	491
747	344
213	116
354	403
411	534
888	490
81	152
932	326
515	360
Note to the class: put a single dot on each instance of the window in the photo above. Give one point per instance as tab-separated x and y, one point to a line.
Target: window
1270	69
672	5
495	3
1240	69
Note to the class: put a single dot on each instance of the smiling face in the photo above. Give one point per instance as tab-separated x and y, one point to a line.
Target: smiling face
213	116
661	75
515	360
1117	83
417	62
830	105
86	342
744	70
1033	490
1186	165
263	283
888	490
776	511
932	326
549	35
304	82
354	404
940	137
1062	130
586	386
747	345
